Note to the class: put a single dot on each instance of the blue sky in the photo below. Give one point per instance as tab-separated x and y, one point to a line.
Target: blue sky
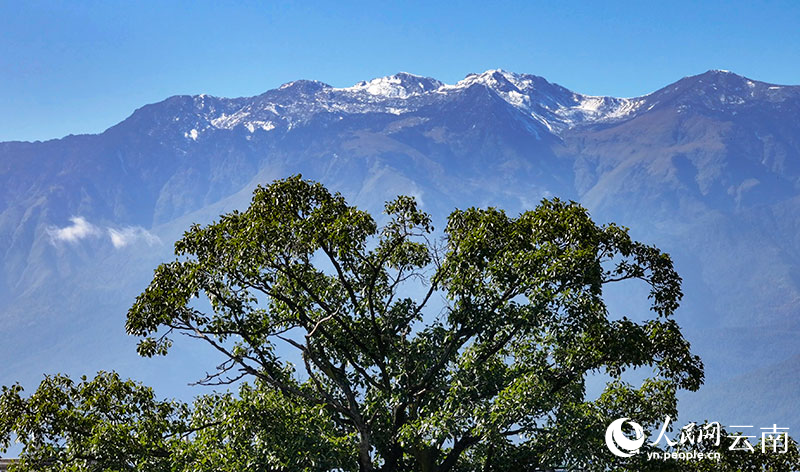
70	67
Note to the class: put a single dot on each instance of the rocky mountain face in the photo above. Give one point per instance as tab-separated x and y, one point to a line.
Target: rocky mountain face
707	168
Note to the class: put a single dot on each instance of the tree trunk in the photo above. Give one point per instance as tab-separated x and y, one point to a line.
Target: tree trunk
364	456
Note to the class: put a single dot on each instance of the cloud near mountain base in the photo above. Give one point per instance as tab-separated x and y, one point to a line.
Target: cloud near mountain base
82	229
131	234
79	229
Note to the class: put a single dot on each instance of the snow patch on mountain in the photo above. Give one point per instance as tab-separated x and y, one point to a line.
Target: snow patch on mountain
225	121
593	109
263	125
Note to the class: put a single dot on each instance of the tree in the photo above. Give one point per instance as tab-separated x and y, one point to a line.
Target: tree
109	424
484	370
105	423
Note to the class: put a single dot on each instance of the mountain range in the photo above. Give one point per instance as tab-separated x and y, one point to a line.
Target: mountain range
706	168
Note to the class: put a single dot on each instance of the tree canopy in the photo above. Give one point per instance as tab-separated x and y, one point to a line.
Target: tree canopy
465	350
498	370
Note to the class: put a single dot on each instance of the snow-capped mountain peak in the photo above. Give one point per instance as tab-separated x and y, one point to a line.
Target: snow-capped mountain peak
550	104
306	86
400	85
497	79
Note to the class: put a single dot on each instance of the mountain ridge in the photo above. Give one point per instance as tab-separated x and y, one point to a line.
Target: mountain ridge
529	82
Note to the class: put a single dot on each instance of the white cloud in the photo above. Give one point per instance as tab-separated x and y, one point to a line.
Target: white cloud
120	237
131	234
79	229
